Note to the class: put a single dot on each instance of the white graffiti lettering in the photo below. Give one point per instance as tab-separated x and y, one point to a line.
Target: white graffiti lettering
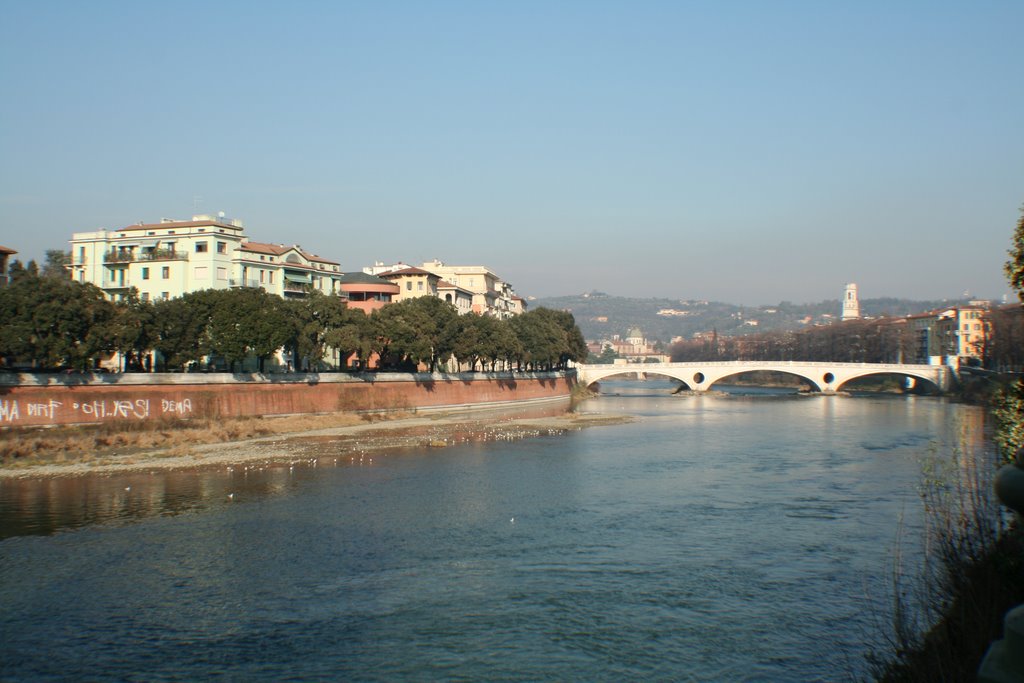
182	406
104	409
9	411
48	409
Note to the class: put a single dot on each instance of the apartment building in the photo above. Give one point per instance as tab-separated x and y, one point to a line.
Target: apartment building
171	258
412	282
955	332
367	292
487	293
5	257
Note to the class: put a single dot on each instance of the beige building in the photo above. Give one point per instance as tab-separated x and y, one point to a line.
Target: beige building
171	258
461	299
487	292
412	282
946	334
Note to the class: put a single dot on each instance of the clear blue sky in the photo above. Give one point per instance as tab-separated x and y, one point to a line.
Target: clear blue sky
748	152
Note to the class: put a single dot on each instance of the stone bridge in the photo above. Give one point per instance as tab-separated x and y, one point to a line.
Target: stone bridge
824	377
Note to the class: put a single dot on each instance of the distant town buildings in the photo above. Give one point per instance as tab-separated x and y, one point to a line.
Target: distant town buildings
635	348
851	307
5	256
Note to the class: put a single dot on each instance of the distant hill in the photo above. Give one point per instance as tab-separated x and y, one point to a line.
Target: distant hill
601	315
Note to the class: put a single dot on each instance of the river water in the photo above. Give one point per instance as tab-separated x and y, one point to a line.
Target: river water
745	536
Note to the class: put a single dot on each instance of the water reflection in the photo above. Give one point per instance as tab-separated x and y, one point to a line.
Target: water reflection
47	505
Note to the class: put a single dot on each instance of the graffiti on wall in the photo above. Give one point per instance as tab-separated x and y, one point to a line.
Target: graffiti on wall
53	411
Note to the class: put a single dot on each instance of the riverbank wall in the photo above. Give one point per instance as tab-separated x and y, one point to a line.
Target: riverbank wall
37	400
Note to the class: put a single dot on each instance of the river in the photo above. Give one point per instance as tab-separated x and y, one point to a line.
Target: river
743	536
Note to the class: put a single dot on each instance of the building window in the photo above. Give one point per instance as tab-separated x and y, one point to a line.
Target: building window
263	274
408	285
200	247
81	254
165	295
270	277
145	273
145	296
419	285
165	272
222	273
201	272
222	247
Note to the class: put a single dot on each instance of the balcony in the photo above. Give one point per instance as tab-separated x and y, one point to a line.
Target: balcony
164	255
248	283
128	256
116	284
117	256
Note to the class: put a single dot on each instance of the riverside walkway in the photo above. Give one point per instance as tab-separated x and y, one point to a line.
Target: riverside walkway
823	377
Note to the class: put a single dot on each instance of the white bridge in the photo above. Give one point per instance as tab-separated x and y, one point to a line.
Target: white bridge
824	377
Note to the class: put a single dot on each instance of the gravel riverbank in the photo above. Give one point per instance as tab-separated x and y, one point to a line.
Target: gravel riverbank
435	431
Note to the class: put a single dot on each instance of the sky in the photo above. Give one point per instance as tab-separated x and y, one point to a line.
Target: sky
746	152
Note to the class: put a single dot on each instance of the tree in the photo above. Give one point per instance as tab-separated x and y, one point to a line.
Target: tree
180	330
352	335
56	264
1008	405
312	320
246	322
470	339
54	323
606	357
547	338
17	269
1014	268
414	331
132	328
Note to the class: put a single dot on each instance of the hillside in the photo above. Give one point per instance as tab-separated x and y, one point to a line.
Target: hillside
601	315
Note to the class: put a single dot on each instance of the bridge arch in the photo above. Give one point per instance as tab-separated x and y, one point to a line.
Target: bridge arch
804	377
639	371
917	379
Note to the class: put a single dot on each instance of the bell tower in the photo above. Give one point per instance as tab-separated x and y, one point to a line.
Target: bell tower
851	307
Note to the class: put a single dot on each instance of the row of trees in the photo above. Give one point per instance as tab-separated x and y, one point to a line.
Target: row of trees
51	322
885	340
855	341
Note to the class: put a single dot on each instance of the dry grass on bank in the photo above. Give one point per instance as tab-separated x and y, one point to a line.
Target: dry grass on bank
85	442
978	594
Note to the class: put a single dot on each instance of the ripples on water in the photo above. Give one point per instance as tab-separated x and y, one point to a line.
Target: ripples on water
719	538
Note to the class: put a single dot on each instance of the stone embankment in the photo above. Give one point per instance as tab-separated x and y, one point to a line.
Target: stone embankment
36	400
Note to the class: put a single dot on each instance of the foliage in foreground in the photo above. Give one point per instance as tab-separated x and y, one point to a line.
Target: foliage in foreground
944	620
